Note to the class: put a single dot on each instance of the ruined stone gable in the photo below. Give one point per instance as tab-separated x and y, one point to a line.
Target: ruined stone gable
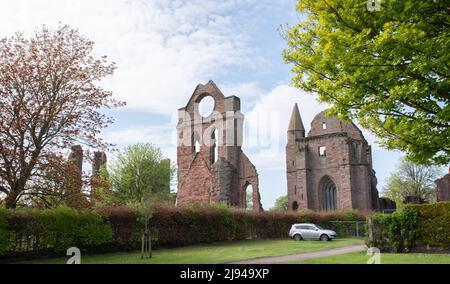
212	167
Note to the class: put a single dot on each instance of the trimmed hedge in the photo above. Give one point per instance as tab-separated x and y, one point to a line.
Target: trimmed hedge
434	224
54	231
126	228
29	232
175	227
413	226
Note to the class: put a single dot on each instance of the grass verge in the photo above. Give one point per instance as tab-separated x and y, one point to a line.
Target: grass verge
386	258
212	253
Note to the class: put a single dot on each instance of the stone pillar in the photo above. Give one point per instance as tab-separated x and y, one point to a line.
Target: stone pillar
97	180
74	183
98	162
75	161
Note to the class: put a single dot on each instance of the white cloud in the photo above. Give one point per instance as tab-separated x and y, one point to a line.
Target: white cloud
266	124
162	136
162	47
248	92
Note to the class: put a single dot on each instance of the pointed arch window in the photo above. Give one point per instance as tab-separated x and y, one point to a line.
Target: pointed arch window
248	196
329	194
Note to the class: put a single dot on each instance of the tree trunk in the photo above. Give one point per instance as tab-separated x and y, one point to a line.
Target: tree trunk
11	199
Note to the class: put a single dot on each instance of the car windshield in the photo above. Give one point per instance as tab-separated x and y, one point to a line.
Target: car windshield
318	227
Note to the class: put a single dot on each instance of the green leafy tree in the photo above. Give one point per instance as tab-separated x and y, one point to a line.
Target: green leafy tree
281	203
387	68
141	179
140	174
412	179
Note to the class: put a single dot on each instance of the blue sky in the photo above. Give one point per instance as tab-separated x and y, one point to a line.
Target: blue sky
163	49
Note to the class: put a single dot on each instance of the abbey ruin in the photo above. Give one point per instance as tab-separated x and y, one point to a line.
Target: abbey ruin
212	168
331	168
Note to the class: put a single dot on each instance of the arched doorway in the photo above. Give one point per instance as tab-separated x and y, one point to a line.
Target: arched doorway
248	197
328	194
295	206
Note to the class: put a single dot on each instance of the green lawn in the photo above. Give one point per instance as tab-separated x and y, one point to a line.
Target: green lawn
214	253
386	258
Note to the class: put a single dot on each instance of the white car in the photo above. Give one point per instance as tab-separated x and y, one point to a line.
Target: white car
305	231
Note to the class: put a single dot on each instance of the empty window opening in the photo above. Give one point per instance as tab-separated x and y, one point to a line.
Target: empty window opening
322	151
324	125
206	106
249	197
196	142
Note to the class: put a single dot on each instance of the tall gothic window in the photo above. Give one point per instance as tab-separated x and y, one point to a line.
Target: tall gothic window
248	197
328	192
214	147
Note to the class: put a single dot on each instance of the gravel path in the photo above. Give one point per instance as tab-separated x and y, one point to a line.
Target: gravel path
302	256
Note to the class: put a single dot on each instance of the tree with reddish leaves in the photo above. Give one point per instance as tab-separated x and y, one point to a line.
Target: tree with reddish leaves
49	100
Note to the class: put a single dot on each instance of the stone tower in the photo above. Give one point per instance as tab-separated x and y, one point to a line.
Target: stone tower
331	168
212	168
74	179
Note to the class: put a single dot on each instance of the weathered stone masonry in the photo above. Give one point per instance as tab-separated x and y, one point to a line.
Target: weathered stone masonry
331	168
443	188
212	168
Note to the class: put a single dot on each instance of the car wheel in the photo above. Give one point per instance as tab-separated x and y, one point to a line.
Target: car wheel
324	238
298	237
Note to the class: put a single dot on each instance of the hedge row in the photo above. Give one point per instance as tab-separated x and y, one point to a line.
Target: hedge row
38	232
30	232
413	226
434	224
175	227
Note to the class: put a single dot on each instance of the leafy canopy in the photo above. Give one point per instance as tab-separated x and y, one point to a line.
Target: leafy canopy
140	175
281	203
387	69
412	180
